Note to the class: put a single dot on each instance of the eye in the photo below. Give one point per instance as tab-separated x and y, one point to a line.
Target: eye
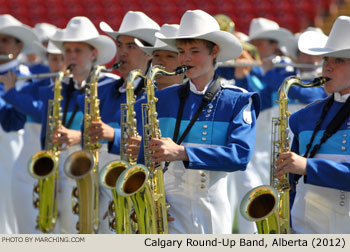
339	60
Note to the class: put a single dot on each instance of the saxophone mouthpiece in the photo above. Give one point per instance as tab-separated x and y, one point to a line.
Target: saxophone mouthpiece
115	66
182	69
70	67
321	80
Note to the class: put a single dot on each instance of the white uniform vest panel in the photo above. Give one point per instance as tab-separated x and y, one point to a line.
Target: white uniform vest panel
325	210
203	203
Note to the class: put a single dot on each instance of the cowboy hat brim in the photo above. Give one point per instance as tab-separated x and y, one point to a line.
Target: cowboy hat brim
145	34
150	49
42	52
105	46
24	34
280	35
230	47
314	43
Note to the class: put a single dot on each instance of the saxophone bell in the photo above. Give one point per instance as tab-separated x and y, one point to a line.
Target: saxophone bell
42	164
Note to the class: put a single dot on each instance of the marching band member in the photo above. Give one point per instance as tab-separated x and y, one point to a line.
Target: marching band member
15	38
267	36
83	47
135	24
26	101
320	155
138	25
221	139
164	55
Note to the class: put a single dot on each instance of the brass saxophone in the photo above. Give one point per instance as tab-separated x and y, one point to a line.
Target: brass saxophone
83	165
145	184
269	205
43	165
119	209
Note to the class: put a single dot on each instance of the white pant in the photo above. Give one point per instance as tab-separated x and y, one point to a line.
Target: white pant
10	147
23	183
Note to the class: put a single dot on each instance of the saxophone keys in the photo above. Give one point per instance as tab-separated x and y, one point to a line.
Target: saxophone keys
75	192
36	188
112	224
36	203
76	208
111	208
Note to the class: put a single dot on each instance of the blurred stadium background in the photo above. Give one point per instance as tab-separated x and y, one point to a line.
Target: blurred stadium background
294	15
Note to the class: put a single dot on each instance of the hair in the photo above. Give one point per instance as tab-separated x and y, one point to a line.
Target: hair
210	45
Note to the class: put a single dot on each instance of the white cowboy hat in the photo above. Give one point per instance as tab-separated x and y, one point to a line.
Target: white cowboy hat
42	51
290	48
168	30
44	31
13	27
198	24
337	44
263	28
135	24
81	29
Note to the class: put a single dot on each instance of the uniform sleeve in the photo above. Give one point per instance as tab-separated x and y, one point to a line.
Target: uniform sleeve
240	143
327	173
26	101
10	118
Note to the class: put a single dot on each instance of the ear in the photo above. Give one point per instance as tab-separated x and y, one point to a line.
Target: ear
19	47
94	54
215	51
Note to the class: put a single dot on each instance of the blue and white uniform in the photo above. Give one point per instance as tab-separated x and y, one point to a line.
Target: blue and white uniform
298	98
322	203
221	141
11	144
26	101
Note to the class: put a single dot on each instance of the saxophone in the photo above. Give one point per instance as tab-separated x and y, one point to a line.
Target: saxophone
120	208
145	184
83	165
43	165
269	205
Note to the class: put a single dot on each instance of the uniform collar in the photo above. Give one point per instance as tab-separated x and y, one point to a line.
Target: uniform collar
68	80
340	98
194	89
9	65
